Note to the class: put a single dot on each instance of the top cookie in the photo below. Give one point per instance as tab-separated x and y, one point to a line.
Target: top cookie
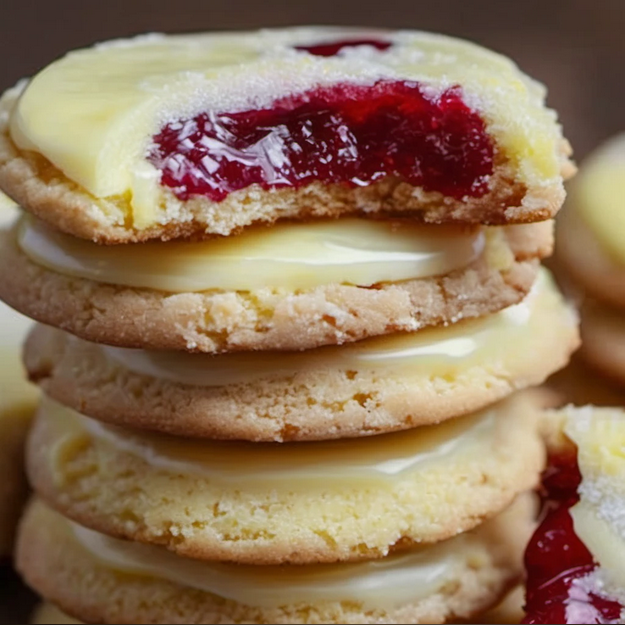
161	137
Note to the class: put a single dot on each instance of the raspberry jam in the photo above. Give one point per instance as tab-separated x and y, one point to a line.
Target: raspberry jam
345	133
334	47
556	558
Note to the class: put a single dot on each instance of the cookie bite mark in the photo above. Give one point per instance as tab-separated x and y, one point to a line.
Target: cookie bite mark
346	133
207	134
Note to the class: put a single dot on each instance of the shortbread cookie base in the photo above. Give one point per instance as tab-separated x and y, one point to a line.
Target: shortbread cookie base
115	491
311	404
61	570
273	318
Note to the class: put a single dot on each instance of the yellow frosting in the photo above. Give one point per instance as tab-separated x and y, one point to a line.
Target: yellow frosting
599	517
94	112
599	196
295	466
506	338
295	256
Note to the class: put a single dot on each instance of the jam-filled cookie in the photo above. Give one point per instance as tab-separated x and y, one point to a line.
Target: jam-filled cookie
267	503
288	287
166	136
591	230
574	562
105	580
370	387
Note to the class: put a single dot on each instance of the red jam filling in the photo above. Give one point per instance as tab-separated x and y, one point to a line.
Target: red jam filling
556	558
348	134
334	47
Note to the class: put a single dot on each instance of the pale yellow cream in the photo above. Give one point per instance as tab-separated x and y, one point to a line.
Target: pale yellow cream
294	256
296	466
598	196
502	340
388	583
94	112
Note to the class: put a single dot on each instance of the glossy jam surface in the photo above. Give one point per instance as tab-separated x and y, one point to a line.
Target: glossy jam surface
332	48
346	133
556	558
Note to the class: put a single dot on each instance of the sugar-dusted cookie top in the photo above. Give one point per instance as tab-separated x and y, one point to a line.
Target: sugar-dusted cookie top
166	136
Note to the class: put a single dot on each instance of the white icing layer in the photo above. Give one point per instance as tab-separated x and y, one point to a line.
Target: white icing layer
15	392
295	256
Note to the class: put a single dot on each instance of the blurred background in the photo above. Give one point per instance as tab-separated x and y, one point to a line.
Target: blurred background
576	47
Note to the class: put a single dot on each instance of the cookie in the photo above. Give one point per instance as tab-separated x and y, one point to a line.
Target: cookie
371	387
266	317
581	384
17	405
298	503
162	137
101	579
49	614
603	331
575	559
591	230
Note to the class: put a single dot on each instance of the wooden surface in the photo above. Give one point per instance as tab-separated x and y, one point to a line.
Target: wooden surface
576	47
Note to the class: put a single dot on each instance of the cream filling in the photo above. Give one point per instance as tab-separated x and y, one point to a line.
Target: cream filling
93	113
387	583
375	461
293	256
505	340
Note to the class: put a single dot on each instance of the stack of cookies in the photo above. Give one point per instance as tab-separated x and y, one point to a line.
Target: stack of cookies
18	401
591	253
291	286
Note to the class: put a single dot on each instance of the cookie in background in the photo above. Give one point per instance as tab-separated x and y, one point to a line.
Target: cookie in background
17	403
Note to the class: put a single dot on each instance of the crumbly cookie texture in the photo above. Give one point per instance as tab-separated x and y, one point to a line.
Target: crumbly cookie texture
63	571
116	491
329	399
216	321
92	177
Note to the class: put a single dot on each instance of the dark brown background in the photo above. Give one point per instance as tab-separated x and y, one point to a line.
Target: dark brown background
577	47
